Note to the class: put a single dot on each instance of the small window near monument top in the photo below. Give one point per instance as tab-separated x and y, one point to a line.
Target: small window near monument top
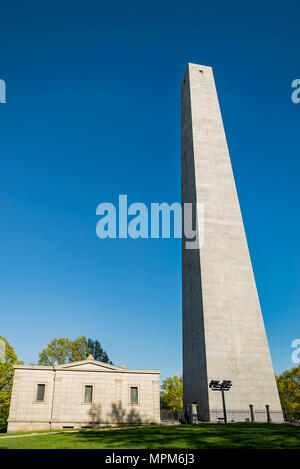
200	71
40	393
134	395
88	394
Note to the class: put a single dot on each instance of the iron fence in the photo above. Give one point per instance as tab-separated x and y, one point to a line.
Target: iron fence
246	415
291	416
237	415
169	415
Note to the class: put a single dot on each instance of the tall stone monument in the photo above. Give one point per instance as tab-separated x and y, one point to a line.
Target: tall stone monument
223	331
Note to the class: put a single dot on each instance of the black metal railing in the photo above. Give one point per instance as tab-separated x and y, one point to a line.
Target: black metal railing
238	415
168	415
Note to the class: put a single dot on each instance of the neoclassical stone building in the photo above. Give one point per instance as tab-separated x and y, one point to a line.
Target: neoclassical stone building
82	394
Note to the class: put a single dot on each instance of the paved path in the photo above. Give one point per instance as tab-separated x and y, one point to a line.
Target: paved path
66	431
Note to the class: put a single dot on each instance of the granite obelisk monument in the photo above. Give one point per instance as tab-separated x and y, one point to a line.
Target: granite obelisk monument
224	336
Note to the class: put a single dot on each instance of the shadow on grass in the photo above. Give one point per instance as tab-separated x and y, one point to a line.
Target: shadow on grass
237	435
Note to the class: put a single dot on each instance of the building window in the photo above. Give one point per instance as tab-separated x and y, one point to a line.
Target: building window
88	394
134	395
40	393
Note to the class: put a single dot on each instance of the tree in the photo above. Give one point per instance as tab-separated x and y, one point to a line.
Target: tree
8	359
65	350
58	350
94	348
172	393
79	349
288	384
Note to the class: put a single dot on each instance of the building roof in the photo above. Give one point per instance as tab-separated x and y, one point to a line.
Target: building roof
90	364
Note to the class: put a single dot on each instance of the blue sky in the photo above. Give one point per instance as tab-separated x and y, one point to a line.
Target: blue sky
93	111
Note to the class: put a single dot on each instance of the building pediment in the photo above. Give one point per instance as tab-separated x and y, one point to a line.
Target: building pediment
88	365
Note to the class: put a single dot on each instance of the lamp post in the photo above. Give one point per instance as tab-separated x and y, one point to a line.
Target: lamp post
224	386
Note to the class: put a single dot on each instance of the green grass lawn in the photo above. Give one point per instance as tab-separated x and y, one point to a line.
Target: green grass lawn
44	431
238	435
